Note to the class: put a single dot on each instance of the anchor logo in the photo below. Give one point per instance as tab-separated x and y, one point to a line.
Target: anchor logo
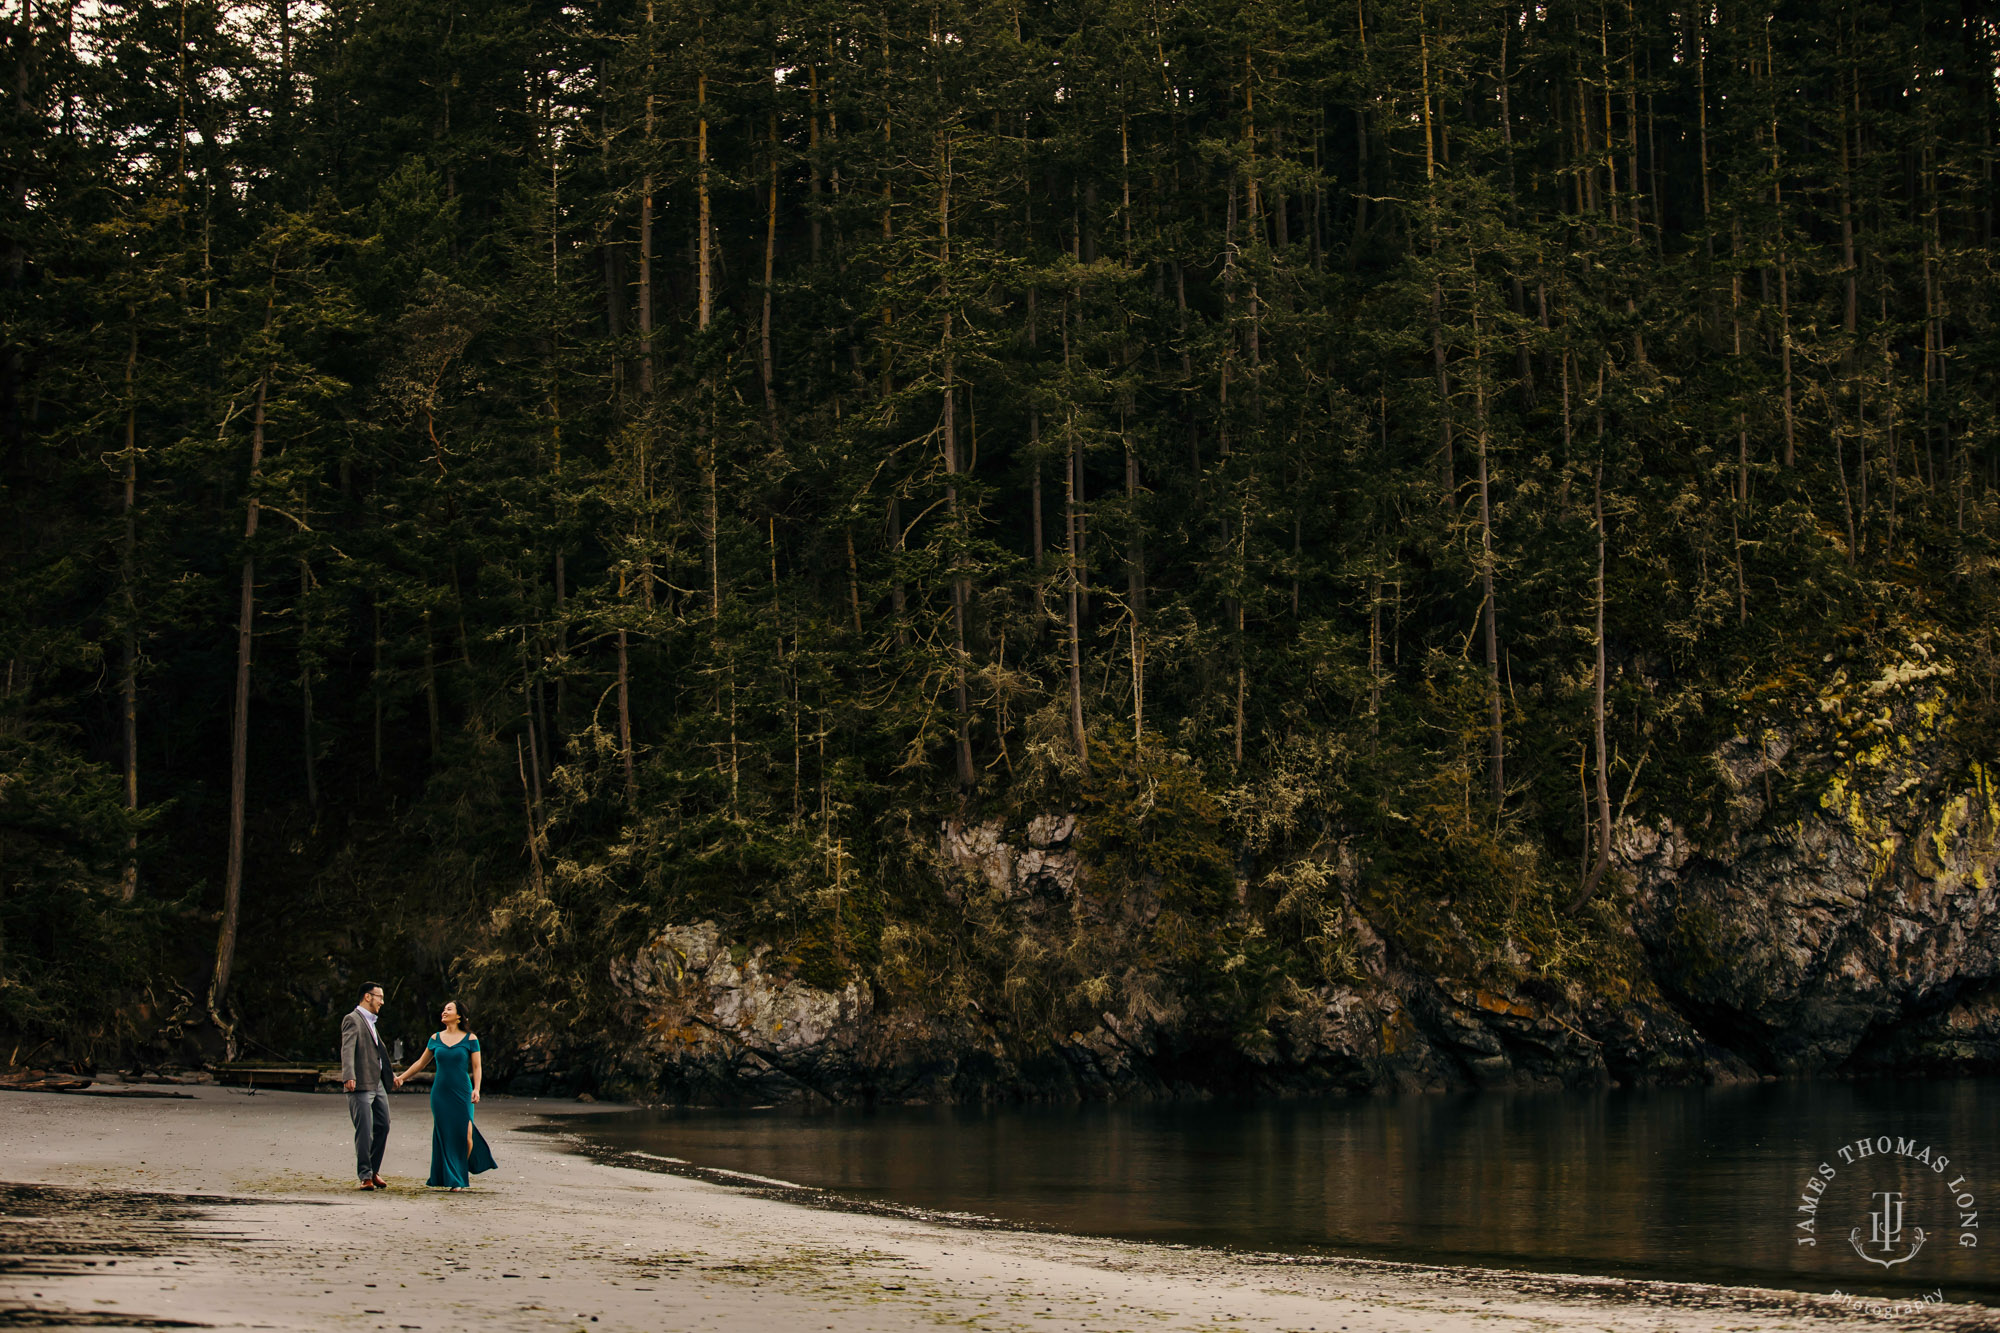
1885	1231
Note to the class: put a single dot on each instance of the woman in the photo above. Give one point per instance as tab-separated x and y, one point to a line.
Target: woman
457	1148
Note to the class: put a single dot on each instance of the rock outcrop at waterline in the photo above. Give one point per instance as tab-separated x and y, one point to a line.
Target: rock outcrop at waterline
1851	929
1860	935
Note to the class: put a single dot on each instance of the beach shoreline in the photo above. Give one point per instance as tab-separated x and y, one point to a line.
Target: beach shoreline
216	1207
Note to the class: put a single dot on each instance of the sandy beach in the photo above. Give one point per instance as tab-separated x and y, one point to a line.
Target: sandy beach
221	1208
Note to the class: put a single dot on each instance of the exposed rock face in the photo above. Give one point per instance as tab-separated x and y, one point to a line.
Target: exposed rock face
1839	936
1848	927
1046	867
716	1024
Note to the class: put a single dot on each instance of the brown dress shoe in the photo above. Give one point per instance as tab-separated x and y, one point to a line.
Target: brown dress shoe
379	1183
366	1185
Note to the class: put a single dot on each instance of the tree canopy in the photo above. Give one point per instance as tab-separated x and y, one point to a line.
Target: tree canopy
483	479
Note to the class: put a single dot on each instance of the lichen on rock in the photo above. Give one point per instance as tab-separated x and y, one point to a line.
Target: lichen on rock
732	1022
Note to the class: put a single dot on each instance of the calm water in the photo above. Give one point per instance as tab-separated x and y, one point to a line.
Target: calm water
1686	1184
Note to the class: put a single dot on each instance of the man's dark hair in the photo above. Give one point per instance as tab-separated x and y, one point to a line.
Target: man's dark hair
368	988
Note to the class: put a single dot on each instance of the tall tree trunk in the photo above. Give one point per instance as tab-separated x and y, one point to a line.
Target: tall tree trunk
1255	354
1740	510
968	775
1849	269
128	674
1187	373
1037	537
14	367
1447	473
1135	551
1601	857
562	652
646	288
1524	365
853	577
431	682
1496	740
704	273
768	366
625	760
614	310
646	224
535	880
1374	663
704	314
1784	269
553	652
1361	187
1838	430
898	601
1135	585
1080	529
1699	42
530	764
1242	686
812	153
1632	125
1933	333
239	734
1037	540
641	461
1072	524
306	733
375	678
1849	349
1073	539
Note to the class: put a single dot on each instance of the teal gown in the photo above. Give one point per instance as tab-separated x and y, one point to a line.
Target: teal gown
451	1116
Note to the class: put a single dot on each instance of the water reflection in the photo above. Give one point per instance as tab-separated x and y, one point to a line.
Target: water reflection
1685	1184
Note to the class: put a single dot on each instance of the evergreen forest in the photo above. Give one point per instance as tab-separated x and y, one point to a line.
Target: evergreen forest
484	481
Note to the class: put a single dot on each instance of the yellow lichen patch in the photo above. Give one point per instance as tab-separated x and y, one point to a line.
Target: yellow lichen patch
1389	1036
1500	1004
1884	860
678	1036
1949	820
1906	673
1926	864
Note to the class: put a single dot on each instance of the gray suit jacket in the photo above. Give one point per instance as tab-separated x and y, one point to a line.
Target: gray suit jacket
362	1057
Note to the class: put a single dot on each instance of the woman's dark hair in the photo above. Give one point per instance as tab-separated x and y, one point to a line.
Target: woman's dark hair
464	1022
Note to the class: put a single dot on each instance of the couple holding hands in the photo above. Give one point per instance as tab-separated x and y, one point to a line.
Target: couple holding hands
457	1148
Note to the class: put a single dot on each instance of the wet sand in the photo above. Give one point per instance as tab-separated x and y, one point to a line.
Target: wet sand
227	1209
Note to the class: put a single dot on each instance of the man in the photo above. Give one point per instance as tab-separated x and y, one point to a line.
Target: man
365	1073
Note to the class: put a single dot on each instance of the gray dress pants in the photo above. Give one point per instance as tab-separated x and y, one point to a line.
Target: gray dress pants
369	1109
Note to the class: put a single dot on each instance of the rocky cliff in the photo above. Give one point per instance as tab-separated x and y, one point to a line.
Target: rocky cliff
1833	913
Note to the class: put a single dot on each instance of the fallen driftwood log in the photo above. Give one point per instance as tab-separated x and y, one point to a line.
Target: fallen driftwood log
40	1080
296	1075
290	1076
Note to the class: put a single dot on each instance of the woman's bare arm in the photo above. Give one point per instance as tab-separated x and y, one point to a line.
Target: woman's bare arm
414	1069
476	1075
